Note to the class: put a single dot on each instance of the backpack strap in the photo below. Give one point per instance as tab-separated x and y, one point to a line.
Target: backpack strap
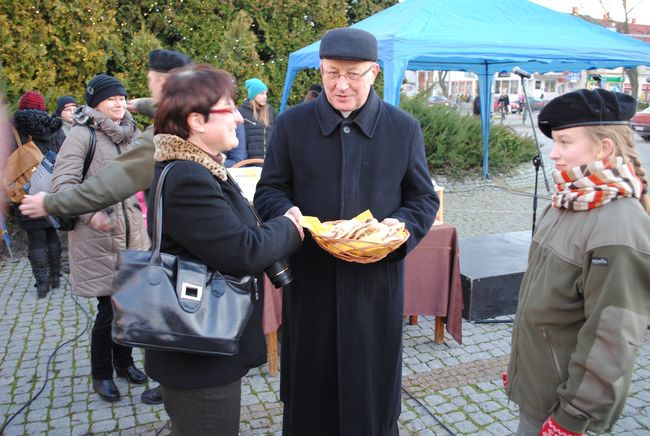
90	154
19	142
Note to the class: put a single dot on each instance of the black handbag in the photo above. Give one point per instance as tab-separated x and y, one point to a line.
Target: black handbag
170	303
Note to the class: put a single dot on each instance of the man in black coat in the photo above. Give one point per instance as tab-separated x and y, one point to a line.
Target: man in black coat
334	157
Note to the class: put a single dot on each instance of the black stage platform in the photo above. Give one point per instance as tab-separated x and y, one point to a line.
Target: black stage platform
491	269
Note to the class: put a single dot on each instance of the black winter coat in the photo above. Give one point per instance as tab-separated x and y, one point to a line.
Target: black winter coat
47	134
207	219
342	321
257	134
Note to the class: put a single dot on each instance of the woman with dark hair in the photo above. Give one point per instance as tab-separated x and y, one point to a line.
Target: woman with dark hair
206	218
259	118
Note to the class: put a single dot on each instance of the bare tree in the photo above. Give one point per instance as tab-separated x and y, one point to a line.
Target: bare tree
442	81
632	73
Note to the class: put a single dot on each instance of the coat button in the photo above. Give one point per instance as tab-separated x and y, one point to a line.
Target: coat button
346	129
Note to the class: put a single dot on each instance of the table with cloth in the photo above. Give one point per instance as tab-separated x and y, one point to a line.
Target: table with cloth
432	287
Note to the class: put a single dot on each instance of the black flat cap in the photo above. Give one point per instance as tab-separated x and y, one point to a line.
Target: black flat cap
348	44
586	108
163	60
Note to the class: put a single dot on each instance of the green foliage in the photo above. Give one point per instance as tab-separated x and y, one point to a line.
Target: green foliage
56	46
453	143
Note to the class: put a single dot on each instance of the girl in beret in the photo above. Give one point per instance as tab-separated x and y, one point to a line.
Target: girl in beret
584	301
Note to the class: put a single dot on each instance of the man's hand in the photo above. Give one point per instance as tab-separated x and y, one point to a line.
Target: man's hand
390	222
101	221
33	205
294	215
132	105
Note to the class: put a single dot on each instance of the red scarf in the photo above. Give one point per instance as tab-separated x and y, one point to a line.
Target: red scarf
586	187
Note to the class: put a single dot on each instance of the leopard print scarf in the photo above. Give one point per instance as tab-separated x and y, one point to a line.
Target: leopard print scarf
172	147
586	187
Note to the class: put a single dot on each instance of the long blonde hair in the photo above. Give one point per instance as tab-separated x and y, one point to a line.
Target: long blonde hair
624	146
260	113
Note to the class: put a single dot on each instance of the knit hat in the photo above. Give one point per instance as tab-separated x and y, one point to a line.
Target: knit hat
255	86
102	87
32	100
62	102
586	108
349	44
164	61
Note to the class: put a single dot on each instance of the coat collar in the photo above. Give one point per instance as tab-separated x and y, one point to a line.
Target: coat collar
366	117
172	147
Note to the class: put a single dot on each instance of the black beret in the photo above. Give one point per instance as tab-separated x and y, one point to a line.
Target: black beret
586	108
348	44
163	60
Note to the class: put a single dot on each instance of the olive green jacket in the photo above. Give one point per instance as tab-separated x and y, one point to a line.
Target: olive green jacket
582	315
124	176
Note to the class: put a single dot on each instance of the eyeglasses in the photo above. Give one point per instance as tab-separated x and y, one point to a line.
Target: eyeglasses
227	110
350	76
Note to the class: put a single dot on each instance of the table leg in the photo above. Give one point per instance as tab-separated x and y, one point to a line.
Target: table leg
413	320
440	330
272	352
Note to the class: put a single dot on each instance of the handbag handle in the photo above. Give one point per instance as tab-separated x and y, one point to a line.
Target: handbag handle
157	216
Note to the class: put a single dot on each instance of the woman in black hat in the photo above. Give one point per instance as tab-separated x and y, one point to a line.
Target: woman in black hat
97	238
584	301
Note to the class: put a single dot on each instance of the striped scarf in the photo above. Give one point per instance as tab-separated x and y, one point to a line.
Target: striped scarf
586	187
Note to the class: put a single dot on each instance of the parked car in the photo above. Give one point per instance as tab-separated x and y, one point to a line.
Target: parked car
536	103
640	123
440	100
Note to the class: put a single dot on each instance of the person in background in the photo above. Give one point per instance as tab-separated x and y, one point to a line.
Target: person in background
259	118
31	121
195	124
584	301
334	157
65	106
97	238
476	109
122	177
313	92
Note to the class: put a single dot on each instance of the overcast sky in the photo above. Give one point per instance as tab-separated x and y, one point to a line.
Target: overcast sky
640	8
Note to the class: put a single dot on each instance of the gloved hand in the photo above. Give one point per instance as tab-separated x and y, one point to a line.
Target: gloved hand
504	377
552	428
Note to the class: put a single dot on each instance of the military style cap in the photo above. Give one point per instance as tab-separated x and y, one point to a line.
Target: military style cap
163	60
586	108
348	44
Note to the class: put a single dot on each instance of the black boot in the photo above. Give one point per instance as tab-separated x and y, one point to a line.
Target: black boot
38	260
54	262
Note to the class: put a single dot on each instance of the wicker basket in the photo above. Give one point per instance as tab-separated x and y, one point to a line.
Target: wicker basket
352	250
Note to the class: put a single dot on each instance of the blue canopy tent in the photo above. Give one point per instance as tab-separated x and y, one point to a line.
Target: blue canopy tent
484	37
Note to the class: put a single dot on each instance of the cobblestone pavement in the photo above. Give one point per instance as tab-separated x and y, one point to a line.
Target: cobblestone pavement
458	386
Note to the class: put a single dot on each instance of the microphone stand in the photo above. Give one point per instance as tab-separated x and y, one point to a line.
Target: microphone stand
538	161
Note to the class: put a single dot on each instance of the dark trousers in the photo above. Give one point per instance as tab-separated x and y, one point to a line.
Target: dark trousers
40	238
212	410
104	353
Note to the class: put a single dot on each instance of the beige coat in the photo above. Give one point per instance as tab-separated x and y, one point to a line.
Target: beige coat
93	253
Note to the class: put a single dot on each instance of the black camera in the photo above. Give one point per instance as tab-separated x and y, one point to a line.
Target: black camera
279	273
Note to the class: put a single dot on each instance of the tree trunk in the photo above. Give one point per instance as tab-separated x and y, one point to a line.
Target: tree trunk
633	75
442	81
